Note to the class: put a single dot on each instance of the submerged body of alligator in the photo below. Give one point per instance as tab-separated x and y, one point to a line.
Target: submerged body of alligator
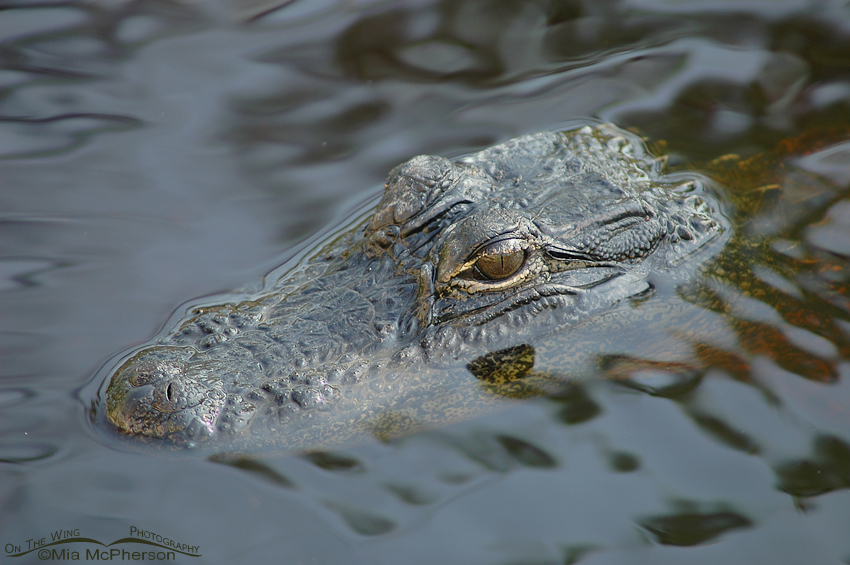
373	333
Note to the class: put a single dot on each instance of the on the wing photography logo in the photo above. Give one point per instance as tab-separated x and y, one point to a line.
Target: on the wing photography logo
70	545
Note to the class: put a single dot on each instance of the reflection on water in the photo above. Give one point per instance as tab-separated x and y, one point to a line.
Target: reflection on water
154	151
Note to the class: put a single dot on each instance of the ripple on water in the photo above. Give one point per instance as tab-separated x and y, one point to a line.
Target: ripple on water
13	396
190	147
26	451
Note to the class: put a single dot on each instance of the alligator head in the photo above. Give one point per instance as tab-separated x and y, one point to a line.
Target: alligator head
459	259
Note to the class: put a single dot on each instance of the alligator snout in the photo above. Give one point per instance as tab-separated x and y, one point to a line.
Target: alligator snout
152	395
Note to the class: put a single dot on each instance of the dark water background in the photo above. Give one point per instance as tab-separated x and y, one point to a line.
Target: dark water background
155	151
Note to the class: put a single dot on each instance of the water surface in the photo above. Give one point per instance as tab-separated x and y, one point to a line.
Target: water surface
153	152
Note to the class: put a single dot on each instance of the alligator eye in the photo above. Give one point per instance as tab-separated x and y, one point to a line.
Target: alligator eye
499	265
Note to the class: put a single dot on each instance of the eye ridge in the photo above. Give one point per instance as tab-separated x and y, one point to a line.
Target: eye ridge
498	266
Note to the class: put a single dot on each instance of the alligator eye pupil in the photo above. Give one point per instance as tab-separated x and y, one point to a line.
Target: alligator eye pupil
499	265
168	391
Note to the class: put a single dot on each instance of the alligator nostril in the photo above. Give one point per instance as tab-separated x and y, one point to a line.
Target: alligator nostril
168	392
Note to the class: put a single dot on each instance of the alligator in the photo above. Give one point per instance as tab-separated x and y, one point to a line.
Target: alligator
430	310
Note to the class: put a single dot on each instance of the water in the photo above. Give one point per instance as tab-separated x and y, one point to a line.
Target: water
153	152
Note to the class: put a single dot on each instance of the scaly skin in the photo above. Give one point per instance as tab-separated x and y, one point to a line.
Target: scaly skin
464	268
